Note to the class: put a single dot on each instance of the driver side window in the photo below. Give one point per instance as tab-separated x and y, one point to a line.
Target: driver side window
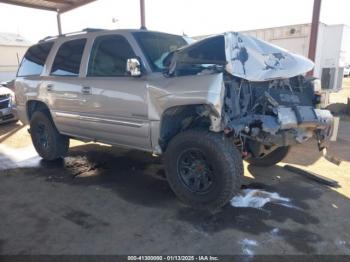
109	56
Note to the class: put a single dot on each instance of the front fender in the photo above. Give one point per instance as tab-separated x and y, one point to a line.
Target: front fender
186	90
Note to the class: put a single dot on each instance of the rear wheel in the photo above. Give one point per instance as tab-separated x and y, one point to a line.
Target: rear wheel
48	142
204	169
271	159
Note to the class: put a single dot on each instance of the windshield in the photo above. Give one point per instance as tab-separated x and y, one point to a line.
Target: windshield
156	46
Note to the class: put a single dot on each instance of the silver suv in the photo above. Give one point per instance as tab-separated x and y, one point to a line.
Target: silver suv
205	105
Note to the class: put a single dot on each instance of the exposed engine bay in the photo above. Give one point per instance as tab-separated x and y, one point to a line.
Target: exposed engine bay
274	113
267	101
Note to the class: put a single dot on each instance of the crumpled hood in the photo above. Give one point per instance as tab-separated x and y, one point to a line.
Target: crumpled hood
256	60
242	56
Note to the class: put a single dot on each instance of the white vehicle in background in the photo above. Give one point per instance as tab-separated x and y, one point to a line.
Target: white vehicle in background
347	71
8	112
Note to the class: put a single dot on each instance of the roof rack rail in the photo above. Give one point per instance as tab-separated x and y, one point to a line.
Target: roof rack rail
90	29
85	30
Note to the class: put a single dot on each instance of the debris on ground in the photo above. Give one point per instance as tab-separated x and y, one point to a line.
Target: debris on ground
256	198
311	175
247	246
275	231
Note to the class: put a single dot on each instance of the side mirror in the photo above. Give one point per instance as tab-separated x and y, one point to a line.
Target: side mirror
133	66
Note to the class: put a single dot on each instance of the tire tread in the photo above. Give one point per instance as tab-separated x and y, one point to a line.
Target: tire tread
232	169
60	143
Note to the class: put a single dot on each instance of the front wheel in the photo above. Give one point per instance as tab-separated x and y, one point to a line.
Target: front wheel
271	159
204	169
48	142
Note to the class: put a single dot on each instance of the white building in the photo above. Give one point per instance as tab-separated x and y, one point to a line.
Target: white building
12	49
332	53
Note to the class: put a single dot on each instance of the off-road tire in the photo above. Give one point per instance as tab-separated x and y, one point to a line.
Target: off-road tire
223	156
271	159
57	145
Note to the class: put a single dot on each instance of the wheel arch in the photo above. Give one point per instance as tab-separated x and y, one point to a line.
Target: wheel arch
36	105
179	118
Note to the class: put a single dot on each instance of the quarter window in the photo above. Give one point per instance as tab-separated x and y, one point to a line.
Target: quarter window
34	60
68	58
109	56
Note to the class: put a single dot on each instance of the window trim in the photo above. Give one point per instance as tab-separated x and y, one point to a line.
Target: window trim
88	60
57	48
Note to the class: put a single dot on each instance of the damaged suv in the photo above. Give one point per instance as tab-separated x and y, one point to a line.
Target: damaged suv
205	106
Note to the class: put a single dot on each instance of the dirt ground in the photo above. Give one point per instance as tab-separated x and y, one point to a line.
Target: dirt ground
103	200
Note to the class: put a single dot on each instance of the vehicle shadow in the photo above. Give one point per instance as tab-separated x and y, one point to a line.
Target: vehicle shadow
307	154
135	176
9	129
337	108
138	178
258	221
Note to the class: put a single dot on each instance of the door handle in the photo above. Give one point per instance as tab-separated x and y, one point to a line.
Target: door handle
86	90
49	87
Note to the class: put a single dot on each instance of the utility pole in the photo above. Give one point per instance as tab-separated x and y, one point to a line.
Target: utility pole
143	14
314	31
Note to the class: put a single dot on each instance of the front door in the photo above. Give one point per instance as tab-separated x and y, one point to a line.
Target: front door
115	104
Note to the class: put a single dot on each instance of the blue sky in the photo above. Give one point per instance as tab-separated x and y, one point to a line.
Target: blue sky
193	17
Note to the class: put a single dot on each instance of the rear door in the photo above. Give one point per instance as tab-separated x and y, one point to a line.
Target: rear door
115	104
63	86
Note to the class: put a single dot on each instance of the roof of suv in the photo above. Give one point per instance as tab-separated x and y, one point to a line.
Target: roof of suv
88	31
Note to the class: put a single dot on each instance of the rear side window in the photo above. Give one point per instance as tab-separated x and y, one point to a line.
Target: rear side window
109	56
68	58
34	60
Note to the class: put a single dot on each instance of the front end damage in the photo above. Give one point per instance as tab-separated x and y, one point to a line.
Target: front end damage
267	101
265	115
